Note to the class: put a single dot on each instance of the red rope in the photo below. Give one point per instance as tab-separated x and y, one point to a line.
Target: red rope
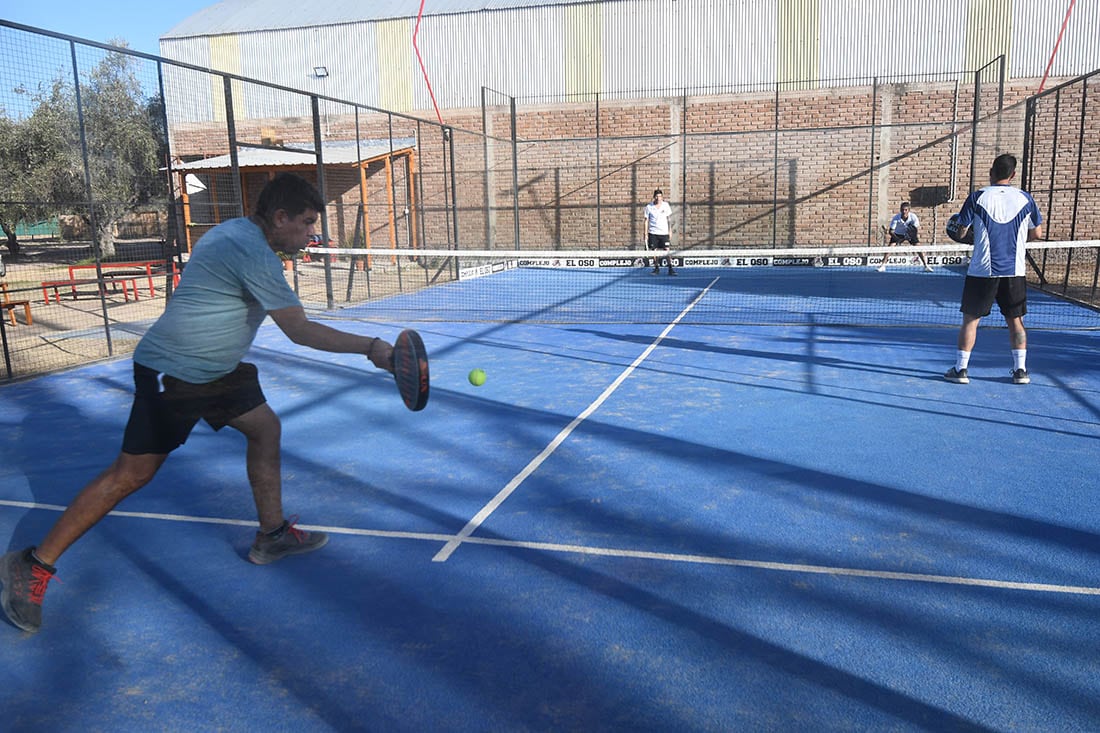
423	70
1057	43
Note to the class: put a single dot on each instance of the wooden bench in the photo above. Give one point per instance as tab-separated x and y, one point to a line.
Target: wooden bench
128	283
10	305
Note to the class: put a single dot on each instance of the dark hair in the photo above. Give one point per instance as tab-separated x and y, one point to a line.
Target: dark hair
1003	167
657	192
905	205
293	194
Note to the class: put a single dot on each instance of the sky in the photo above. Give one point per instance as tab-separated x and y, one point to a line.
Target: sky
139	22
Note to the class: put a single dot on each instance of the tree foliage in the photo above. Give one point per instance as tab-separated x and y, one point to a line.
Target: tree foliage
42	162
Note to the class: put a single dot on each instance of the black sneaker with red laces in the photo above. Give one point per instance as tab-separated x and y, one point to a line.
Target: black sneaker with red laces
24	579
287	540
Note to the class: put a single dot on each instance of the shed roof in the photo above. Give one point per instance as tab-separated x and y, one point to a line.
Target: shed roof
237	16
336	152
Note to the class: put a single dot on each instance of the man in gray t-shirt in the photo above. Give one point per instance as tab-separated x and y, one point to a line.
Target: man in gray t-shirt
188	367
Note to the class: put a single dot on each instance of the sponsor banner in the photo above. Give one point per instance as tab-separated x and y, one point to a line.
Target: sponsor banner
488	268
757	261
700	261
947	260
792	261
842	261
559	262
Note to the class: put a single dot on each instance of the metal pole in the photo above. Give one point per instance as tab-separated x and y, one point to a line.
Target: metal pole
231	131
7	353
450	136
974	129
872	167
173	215
485	169
1080	161
1028	151
599	188
683	172
1054	153
92	218
1001	83
318	147
955	144
775	172
515	177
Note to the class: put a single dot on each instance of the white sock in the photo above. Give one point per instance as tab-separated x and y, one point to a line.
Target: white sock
1019	358
962	360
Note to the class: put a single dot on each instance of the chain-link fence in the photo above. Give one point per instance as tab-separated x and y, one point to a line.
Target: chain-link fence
114	163
782	165
1062	172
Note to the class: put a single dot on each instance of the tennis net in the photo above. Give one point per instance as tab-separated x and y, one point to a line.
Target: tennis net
829	286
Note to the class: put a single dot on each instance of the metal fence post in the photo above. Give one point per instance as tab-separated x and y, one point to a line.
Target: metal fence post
93	219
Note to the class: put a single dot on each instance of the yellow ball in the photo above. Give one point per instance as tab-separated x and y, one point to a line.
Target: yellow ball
477	377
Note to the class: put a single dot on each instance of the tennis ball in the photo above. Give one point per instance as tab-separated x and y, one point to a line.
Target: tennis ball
477	377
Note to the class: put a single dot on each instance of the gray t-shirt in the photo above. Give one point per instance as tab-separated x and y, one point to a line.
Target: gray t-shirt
231	282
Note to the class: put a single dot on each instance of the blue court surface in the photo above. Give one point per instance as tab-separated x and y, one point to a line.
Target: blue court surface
679	526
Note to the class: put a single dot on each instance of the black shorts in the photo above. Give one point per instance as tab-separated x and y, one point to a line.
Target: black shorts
166	409
911	239
657	241
980	292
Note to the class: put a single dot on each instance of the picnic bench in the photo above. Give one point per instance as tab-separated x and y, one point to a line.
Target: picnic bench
127	282
10	305
147	268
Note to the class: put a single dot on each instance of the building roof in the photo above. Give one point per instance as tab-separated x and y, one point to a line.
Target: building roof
337	152
239	16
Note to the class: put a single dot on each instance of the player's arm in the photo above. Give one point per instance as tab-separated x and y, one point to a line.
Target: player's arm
1035	233
966	214
299	329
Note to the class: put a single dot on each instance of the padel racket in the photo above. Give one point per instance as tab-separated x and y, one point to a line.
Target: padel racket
410	369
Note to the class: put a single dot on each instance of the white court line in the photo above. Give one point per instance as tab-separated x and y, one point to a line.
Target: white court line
479	518
556	547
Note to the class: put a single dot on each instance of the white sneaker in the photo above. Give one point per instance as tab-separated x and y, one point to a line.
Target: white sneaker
882	268
928	268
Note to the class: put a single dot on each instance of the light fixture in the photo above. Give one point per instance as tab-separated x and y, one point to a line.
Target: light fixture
320	71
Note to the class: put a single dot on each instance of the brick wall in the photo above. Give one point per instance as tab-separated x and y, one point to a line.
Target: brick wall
821	166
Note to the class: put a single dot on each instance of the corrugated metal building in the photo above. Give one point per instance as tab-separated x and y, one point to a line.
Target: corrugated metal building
558	49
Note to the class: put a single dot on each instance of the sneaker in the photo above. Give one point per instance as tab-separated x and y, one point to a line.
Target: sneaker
25	580
928	268
958	376
287	540
672	272
655	271
1020	376
882	267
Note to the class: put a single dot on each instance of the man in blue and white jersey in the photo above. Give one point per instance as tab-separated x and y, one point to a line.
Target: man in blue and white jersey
1003	219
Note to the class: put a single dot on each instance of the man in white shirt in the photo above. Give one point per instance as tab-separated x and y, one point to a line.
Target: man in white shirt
904	227
657	213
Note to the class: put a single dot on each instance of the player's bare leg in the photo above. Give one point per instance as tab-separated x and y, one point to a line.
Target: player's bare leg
25	574
277	538
1017	337
262	428
968	336
124	476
